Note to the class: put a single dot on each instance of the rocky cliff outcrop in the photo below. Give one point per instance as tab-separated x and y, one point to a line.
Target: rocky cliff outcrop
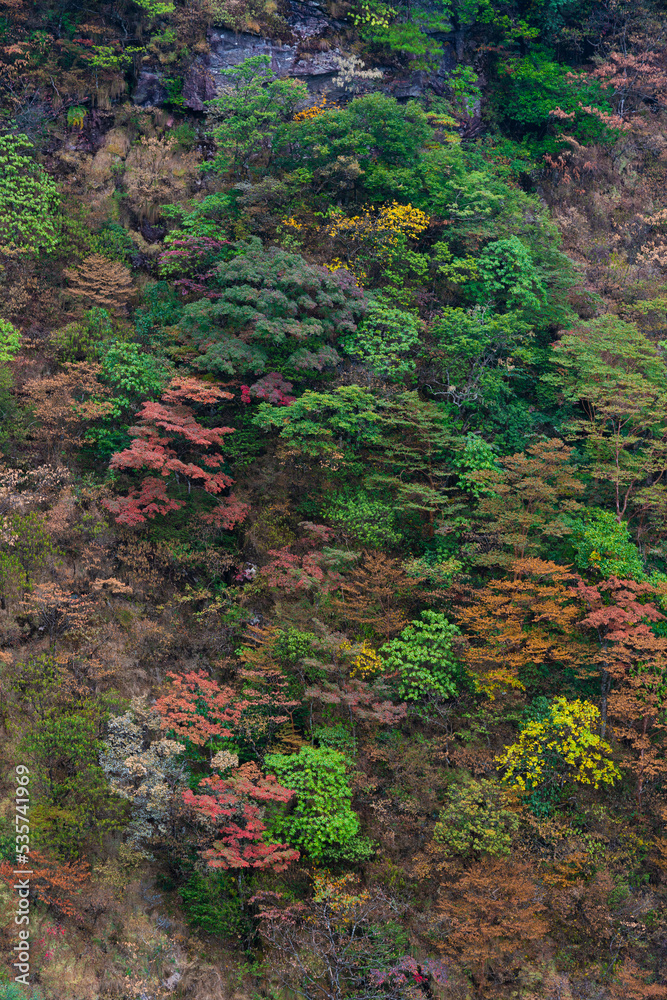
310	52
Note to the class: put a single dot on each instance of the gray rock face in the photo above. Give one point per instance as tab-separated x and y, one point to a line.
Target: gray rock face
229	48
306	20
149	91
198	86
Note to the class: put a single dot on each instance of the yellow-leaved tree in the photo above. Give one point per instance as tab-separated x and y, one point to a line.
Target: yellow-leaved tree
561	745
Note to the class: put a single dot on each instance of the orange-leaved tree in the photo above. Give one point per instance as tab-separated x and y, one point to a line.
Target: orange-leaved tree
632	661
523	626
56	883
378	595
493	920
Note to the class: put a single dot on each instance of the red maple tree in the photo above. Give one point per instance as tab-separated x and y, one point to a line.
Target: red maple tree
231	806
170	441
199	709
271	388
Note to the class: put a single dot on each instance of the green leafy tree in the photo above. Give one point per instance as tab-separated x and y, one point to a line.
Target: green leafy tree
322	821
13	579
463	83
75	803
371	521
10	341
476	455
456	183
271	308
319	423
374	143
397	447
161	310
11	422
29	200
615	377
36	683
212	902
529	89
247	113
84	339
109	57
411	36
385	340
132	375
411	463
604	546
423	657
113	241
508	278
207	218
467	352
31	542
476	819
449	182
292	645
156	8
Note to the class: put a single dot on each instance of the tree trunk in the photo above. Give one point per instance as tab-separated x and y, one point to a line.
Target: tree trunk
605	687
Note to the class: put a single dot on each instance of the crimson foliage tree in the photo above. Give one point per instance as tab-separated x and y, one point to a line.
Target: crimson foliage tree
231	805
170	441
199	710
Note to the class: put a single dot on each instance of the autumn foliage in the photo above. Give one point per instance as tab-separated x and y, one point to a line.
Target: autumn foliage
521	623
632	661
98	281
232	807
58	884
492	914
197	708
333	498
170	441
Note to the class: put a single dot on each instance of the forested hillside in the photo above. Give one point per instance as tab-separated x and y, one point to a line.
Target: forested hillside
333	500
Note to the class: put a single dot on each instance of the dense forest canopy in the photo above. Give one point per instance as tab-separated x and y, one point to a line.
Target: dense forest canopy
333	499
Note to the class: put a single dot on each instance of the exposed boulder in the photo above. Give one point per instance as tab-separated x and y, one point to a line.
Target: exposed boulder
150	90
198	86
